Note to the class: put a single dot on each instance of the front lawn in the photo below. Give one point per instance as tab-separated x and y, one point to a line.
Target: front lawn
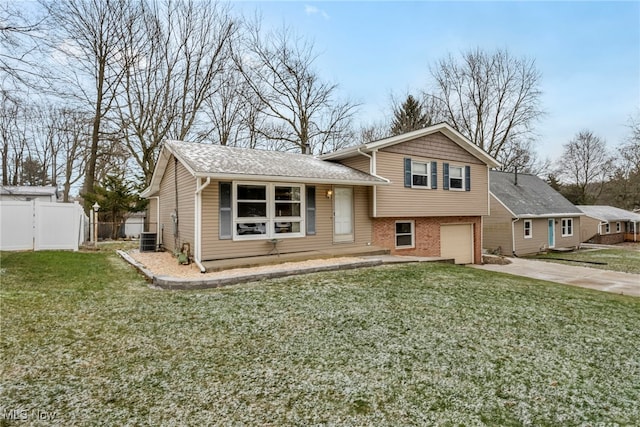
624	260
84	339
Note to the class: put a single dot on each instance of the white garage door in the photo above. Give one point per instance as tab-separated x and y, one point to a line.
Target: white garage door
456	241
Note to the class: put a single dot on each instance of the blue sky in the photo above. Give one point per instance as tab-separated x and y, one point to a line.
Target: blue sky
588	53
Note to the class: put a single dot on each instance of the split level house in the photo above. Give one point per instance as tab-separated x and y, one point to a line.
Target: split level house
528	216
609	225
420	193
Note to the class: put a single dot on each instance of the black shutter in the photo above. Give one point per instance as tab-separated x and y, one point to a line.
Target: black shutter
225	218
467	178
445	176
434	175
407	172
311	210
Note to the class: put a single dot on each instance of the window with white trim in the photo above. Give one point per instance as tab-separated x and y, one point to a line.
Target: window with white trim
617	227
567	227
420	174
456	178
607	228
267	211
528	229
405	234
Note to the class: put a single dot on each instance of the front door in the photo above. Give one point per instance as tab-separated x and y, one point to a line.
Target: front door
343	214
552	235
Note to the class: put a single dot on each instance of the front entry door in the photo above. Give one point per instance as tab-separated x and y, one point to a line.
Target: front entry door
552	234
343	214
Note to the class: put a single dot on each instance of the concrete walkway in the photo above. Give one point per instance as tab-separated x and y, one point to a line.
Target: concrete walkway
585	277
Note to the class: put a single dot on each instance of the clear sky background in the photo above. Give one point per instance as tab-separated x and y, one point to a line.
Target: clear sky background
588	53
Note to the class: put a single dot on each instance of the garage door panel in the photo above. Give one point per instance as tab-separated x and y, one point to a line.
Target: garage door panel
456	241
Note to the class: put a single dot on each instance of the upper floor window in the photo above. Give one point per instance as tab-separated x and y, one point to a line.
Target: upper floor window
457	178
567	227
528	229
419	174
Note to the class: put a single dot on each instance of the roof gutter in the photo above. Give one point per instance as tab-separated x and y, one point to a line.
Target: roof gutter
197	256
560	215
271	178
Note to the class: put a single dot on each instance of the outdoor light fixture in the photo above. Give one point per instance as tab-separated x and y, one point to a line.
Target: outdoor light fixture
96	208
329	194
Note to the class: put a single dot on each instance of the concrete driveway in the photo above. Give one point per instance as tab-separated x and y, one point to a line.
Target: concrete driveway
585	277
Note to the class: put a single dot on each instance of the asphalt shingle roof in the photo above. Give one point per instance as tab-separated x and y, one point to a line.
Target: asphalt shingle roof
531	197
212	160
609	213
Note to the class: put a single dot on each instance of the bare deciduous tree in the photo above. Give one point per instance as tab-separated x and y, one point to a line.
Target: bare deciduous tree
301	109
586	164
13	131
373	132
491	98
523	157
624	187
175	54
72	134
89	36
20	46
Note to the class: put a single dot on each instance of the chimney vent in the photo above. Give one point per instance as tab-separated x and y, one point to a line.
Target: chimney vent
516	176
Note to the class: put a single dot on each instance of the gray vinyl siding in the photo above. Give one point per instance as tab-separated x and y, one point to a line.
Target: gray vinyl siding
152	216
359	162
436	146
395	200
186	186
539	236
589	227
213	248
496	229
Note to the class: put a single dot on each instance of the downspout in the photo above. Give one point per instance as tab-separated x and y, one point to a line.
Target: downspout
158	232
513	237
197	253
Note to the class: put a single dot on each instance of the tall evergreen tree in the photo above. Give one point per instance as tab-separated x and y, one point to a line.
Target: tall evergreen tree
408	116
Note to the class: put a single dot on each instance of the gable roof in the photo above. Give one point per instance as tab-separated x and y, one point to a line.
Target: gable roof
234	163
531	198
443	128
609	213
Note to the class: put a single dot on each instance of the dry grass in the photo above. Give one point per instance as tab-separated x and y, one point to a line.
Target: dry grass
84	337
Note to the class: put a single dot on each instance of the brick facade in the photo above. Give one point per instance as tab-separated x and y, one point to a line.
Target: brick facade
427	234
607	239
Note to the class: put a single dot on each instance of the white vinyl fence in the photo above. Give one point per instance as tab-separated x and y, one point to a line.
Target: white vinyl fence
37	225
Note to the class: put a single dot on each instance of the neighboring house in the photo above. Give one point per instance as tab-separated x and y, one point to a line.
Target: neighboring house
420	193
528	216
134	224
28	193
608	225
